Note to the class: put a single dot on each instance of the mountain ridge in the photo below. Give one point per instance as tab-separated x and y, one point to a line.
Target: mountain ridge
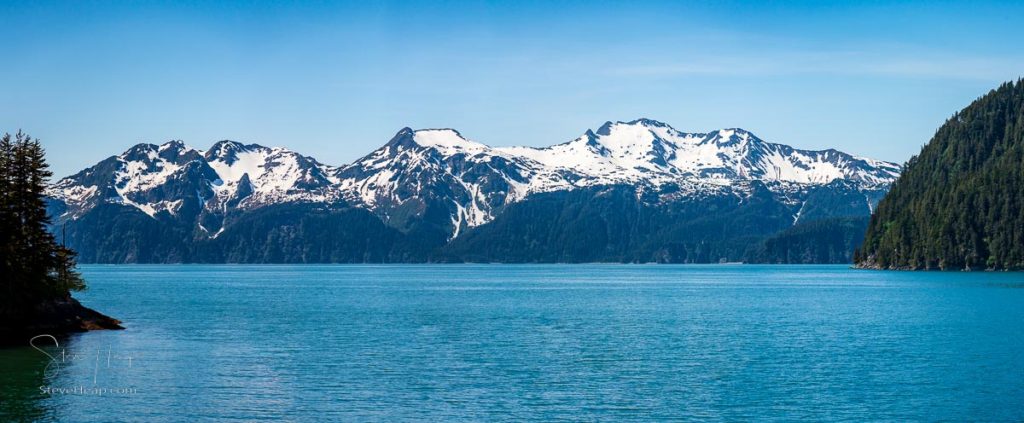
439	184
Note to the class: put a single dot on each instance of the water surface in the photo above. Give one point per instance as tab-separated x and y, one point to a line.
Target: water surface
525	342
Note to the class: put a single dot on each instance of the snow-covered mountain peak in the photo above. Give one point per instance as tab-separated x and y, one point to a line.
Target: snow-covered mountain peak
648	122
636	150
231	160
167	177
441	172
729	136
607	127
448	141
637	136
141	152
224	150
269	174
643	133
174	147
228	151
146	165
445	141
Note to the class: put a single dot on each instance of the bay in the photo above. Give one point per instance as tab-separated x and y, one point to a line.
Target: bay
530	342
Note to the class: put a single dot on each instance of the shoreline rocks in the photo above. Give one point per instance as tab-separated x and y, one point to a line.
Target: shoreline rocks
56	317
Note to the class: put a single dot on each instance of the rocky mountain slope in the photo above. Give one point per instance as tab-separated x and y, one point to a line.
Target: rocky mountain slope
429	188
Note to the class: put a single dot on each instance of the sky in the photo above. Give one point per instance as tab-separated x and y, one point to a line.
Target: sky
336	80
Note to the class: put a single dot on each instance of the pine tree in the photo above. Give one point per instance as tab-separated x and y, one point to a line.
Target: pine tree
34	267
7	225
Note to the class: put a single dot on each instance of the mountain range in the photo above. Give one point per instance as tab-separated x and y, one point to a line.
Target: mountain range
637	191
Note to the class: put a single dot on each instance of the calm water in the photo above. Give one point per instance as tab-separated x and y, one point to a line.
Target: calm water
492	342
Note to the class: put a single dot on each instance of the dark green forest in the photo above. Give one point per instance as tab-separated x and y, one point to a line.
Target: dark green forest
610	224
831	241
597	224
959	204
34	267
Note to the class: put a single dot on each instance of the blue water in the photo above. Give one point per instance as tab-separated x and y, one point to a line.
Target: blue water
544	342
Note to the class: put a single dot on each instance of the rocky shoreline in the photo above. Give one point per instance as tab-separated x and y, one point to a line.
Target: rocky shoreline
872	265
57	317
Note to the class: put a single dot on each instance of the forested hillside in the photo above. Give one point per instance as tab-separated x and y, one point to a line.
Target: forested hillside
959	204
831	240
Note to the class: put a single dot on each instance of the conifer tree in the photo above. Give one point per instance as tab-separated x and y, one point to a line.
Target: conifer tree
34	267
7	224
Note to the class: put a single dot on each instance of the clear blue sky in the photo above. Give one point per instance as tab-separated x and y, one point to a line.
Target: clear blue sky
336	80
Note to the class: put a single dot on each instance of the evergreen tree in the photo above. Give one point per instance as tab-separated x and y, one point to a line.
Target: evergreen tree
7	224
34	267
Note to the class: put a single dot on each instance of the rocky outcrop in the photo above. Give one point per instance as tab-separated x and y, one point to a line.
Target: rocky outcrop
55	317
